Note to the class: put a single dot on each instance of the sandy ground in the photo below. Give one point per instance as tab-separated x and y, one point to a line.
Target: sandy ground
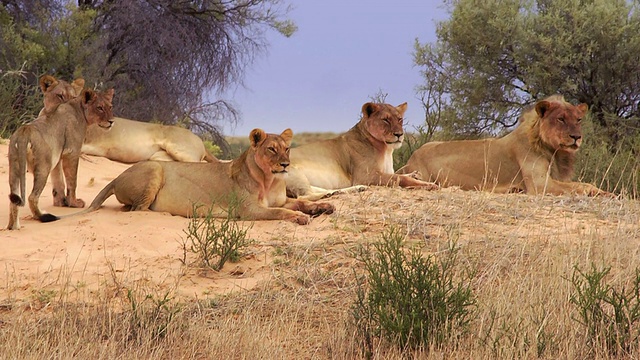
91	250
111	246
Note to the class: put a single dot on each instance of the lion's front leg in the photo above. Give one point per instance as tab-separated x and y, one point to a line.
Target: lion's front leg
310	207
411	180
272	213
70	168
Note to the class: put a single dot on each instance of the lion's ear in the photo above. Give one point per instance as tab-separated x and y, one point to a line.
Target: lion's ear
369	108
47	82
287	136
542	107
257	136
78	85
109	94
88	95
402	108
582	108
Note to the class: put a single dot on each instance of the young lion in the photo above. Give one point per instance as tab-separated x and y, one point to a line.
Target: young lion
128	141
256	178
537	157
361	156
57	92
53	141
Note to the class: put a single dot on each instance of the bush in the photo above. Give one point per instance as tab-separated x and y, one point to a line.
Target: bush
610	317
411	300
19	101
216	241
612	168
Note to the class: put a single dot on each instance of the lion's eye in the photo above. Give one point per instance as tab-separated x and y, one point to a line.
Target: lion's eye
386	121
561	120
287	150
100	109
579	120
273	150
60	97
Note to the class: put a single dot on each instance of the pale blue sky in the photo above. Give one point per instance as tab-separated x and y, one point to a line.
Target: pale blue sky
343	52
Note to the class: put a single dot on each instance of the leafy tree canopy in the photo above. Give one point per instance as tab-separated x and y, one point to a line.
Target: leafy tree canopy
493	57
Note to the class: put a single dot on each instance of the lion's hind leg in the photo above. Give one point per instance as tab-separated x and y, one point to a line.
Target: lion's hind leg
139	185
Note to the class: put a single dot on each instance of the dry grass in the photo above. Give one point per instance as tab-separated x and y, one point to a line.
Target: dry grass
524	249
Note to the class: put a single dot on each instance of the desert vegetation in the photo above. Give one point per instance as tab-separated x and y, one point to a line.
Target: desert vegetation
523	277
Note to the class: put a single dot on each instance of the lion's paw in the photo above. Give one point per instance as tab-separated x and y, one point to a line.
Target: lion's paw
76	203
321	208
301	219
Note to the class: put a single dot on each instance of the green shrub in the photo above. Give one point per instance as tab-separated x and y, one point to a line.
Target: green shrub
615	168
20	102
216	241
411	300
610	316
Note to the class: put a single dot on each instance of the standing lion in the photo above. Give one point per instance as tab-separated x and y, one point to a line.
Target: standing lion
51	144
536	158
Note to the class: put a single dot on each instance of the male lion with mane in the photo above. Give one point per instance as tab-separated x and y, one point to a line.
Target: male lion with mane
361	156
256	179
51	144
536	158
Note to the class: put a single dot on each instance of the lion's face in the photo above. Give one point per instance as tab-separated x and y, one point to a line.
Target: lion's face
560	124
271	151
384	122
57	91
97	106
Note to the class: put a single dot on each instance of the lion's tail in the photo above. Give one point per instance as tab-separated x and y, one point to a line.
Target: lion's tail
208	157
18	166
102	196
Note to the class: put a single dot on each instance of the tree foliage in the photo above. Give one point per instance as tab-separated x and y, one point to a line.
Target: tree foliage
169	61
494	57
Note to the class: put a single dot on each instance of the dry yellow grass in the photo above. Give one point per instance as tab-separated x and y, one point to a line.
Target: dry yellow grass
523	248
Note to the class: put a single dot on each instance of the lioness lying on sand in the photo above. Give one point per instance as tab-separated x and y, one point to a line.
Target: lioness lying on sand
536	158
256	178
51	144
361	156
130	141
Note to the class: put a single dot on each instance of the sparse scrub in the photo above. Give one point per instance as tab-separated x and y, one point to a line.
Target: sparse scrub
610	316
216	241
411	300
19	101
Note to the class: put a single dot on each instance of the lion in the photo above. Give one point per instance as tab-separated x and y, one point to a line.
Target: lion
129	141
255	179
536	158
57	91
51	144
360	157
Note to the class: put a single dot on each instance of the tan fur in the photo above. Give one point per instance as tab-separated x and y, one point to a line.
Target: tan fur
58	91
130	141
361	156
536	158
256	179
51	144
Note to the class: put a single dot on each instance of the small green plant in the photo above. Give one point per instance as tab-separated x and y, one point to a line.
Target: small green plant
410	299
151	315
216	241
611	317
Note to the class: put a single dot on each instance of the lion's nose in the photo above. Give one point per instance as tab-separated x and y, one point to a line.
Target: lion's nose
576	137
398	134
284	164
